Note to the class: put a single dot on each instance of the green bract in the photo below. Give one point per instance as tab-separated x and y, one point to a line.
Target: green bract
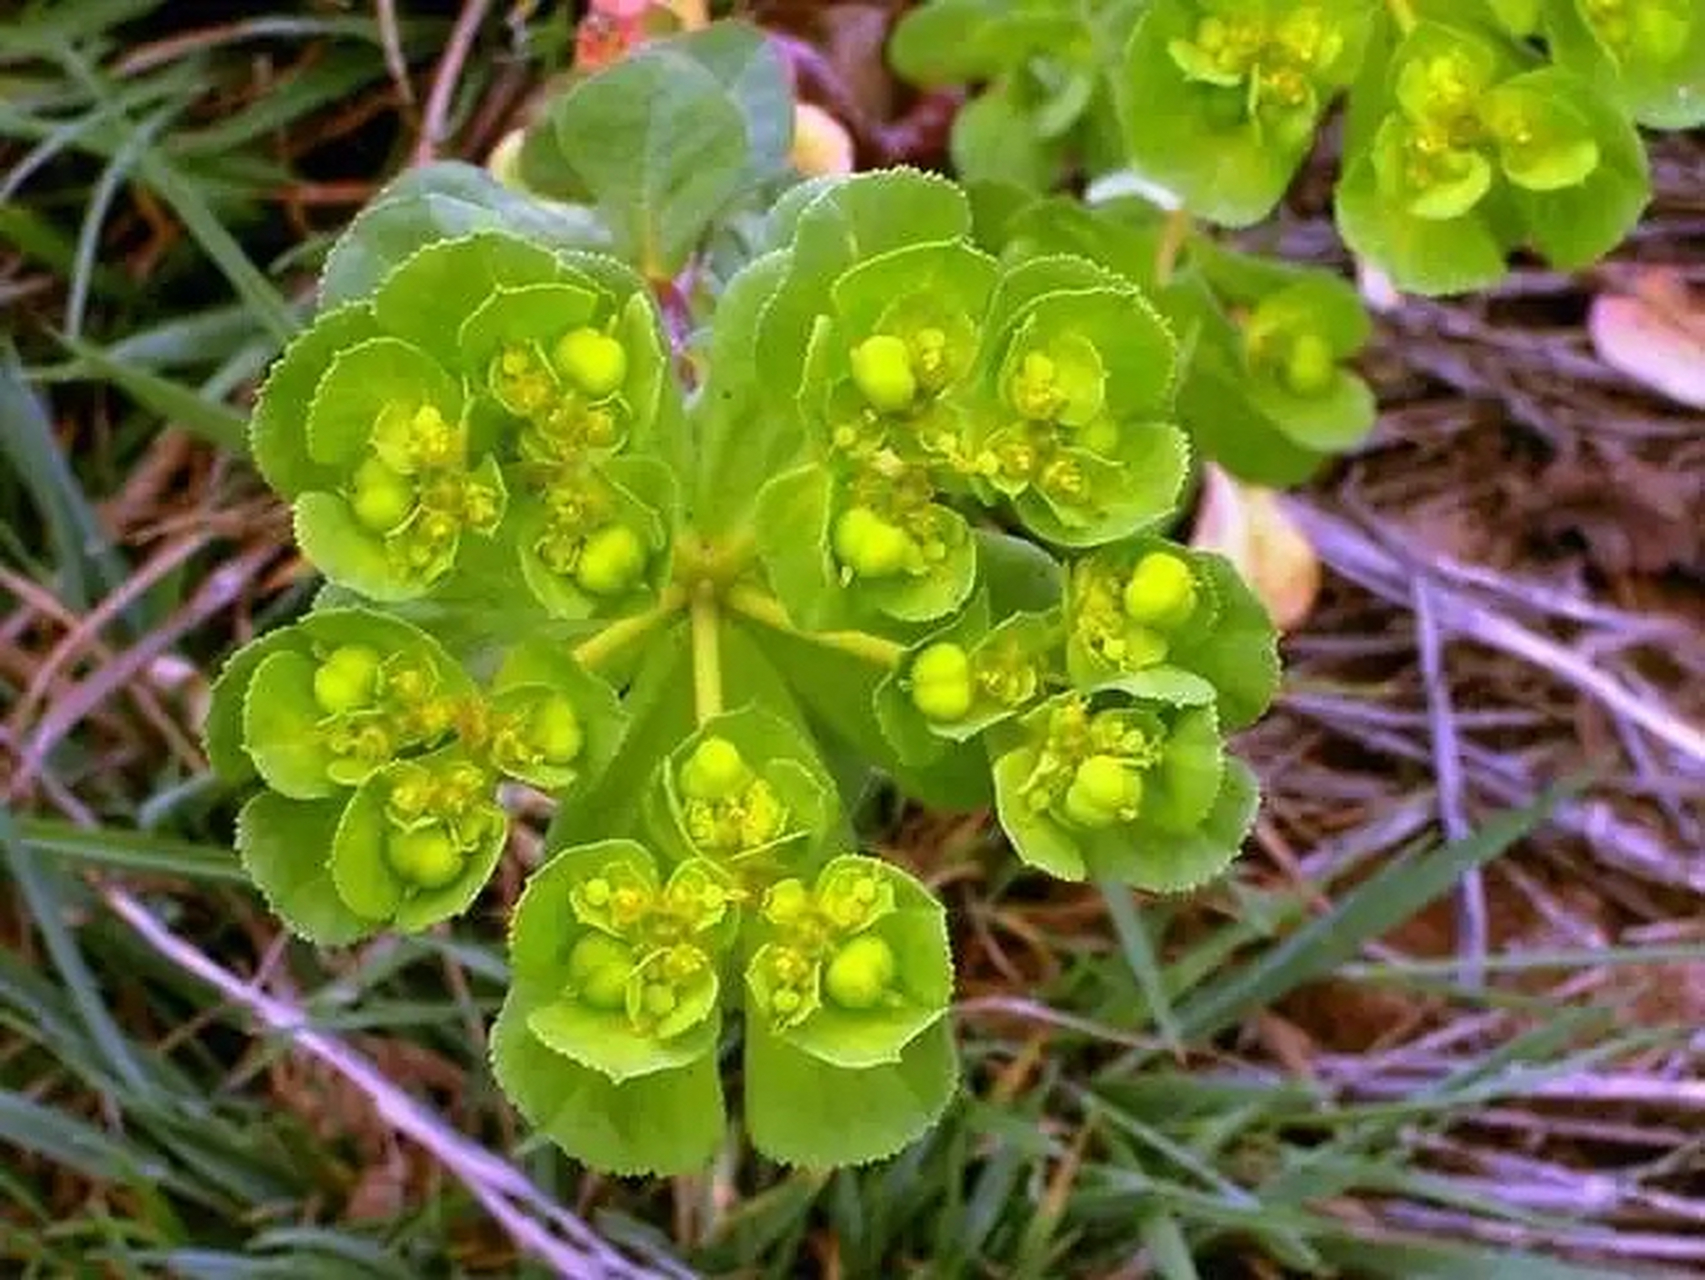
665	575
1465	151
1475	128
1220	100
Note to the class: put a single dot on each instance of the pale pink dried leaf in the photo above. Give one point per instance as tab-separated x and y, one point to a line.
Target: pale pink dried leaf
821	143
1248	526
1656	338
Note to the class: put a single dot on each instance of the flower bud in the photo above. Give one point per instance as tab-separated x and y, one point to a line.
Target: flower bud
598	969
426	858
941	682
860	973
869	545
715	771
380	497
1161	591
1309	366
882	371
596	362
347	679
611	561
1103	791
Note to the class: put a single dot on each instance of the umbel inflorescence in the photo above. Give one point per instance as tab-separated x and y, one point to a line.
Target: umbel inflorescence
898	504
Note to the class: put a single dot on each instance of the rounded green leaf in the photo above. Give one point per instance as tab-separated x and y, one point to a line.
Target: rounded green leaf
570	898
286	848
427	298
1576	225
1420	255
353	556
886	966
369	386
533	675
1036	838
419	840
282	728
1648	58
278	431
1544	144
798	1106
222	732
1161	861
658	1124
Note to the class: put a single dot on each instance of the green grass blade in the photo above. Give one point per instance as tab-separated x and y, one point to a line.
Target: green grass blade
132	851
87	565
1382	902
172	401
42	894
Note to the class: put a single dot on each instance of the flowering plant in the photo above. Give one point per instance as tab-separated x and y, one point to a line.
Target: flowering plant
875	499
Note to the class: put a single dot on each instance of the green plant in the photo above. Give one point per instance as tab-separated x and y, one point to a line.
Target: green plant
1473	129
895	505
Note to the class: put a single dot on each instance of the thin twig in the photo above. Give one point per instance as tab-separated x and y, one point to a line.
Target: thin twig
391	40
1447	772
434	121
222	586
498	1185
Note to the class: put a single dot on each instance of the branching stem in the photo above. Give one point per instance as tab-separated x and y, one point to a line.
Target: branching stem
1403	14
707	654
762	607
624	631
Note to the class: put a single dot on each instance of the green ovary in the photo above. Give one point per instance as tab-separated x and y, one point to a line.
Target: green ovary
941	686
611	561
1161	591
347	680
869	546
1309	367
882	372
860	975
593	361
598	970
380	497
1105	790
425	858
547	733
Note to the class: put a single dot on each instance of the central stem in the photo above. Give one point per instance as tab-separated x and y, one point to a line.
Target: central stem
707	653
